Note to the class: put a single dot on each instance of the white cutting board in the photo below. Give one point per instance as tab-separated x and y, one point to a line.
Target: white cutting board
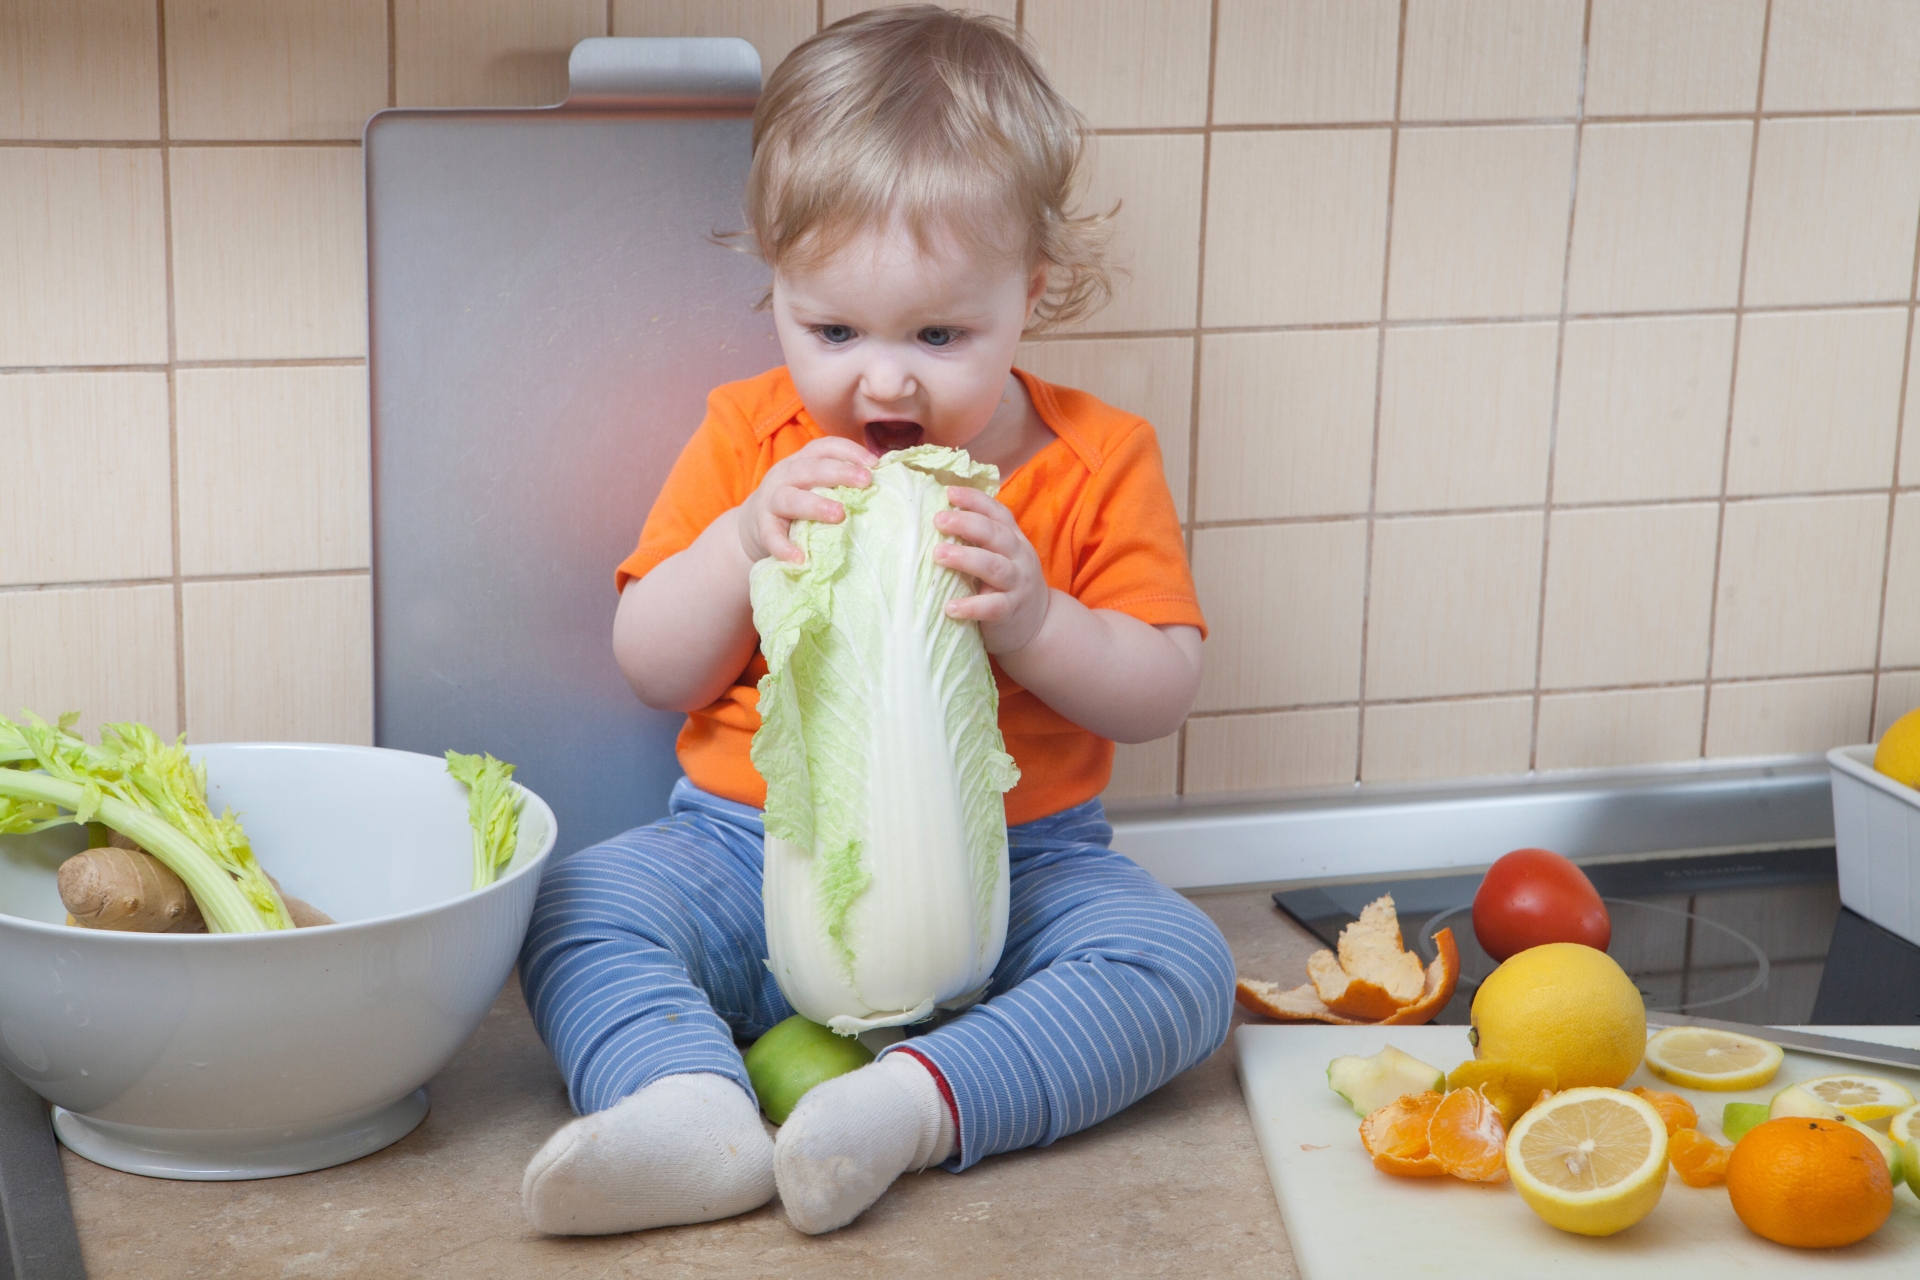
1347	1219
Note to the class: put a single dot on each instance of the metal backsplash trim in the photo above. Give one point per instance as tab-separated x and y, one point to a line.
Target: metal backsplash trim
1363	831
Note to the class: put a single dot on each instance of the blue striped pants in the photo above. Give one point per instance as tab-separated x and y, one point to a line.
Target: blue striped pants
644	959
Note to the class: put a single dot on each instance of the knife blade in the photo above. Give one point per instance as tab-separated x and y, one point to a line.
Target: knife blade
1886	1055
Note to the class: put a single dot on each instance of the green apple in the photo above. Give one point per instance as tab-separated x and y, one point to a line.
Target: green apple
1371	1083
795	1056
1738	1117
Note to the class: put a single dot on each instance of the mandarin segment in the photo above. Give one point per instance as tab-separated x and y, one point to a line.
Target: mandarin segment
1675	1111
1467	1137
1698	1159
1396	1136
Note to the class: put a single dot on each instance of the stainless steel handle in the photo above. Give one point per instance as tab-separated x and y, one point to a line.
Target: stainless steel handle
643	73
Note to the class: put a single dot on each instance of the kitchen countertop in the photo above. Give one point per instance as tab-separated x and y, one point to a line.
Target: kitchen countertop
1172	1186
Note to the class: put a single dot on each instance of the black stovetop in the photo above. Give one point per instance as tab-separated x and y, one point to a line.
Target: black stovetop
1755	937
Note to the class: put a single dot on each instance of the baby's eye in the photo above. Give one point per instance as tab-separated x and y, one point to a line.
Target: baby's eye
834	334
938	336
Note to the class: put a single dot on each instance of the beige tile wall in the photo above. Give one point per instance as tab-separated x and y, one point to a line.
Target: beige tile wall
1533	375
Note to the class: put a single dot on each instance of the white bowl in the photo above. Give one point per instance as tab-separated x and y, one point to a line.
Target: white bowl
223	1056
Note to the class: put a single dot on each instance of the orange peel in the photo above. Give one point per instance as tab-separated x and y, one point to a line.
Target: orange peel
1303	1003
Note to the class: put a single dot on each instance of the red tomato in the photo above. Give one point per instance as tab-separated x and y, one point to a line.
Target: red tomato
1534	896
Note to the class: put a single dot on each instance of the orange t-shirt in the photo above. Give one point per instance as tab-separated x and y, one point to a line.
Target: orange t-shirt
1093	502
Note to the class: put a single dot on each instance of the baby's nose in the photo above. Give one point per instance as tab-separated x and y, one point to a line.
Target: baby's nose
886	381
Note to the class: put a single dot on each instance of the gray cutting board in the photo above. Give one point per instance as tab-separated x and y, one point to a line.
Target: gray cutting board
1345	1218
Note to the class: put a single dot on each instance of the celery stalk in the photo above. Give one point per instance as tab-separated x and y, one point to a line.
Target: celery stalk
226	909
493	811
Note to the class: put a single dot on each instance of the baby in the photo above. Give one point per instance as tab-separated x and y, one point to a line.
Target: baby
912	170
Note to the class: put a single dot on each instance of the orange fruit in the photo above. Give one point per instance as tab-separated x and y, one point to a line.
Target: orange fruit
1698	1159
1674	1110
1467	1138
1396	1137
1809	1182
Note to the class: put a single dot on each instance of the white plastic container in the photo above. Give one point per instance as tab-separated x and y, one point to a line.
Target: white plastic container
1876	828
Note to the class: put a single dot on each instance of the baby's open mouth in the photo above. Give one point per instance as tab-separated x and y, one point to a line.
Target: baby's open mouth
889	434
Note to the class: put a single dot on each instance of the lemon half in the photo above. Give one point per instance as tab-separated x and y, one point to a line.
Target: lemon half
1591	1161
1700	1058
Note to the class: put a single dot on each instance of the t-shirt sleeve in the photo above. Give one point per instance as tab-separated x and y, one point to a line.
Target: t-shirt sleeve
1132	557
705	484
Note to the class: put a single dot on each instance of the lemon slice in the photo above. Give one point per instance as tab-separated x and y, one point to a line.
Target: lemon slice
1699	1058
1590	1161
1905	1126
1861	1097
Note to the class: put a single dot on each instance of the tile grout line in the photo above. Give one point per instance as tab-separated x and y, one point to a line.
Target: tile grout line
317	362
1733	380
177	579
1874	728
1519	693
1193	392
115	584
1304	126
181	144
393	59
1483	321
1524	122
1379	394
1559	366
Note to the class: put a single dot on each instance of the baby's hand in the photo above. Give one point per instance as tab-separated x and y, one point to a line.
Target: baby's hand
1012	600
787	495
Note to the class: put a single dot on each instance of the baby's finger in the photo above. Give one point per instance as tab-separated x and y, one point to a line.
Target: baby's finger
973	500
980	530
825	473
839	447
986	567
791	503
773	537
990	606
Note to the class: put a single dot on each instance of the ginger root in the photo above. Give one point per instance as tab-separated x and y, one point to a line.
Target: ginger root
127	889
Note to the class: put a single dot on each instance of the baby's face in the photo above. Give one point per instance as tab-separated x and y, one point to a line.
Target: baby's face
894	346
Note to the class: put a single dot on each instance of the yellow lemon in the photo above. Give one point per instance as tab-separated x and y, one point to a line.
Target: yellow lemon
1898	755
1699	1058
1591	1161
1565	1007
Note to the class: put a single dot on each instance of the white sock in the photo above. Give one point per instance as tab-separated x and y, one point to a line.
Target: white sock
852	1136
687	1148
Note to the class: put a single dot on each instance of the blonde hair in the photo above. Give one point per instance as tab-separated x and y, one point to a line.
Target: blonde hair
941	119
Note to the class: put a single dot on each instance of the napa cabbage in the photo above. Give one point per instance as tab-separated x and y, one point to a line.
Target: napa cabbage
886	841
